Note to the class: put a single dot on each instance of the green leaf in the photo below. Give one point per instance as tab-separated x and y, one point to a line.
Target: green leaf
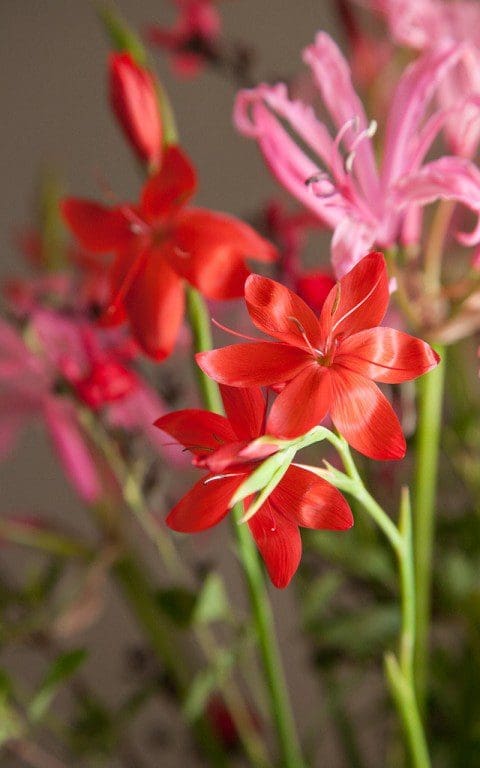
121	36
212	603
206	682
264	473
62	668
178	604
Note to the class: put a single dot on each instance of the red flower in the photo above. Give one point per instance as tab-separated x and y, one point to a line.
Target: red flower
135	103
160	241
314	287
223	446
329	364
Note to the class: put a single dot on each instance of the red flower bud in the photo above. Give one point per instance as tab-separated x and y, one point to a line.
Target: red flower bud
134	101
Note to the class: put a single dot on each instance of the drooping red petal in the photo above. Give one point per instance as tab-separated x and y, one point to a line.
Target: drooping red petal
279	542
302	404
359	300
98	228
365	418
245	409
386	355
170	188
154	301
253	365
202	432
279	312
204	505
311	502
227	457
210	251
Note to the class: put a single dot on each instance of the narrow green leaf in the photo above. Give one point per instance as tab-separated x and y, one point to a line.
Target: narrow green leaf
212	603
62	668
205	683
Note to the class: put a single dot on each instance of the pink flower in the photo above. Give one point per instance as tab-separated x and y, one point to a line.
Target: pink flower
72	359
365	205
190	39
428	24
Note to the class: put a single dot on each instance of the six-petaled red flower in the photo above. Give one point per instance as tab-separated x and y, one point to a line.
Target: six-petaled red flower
158	243
329	364
223	446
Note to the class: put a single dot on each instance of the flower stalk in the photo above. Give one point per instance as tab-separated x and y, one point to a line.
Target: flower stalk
262	613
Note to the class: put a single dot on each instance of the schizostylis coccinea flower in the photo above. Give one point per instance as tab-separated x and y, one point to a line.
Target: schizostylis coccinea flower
228	447
160	242
329	364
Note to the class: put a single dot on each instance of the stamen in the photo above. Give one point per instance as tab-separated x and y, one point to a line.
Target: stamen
368	133
353	123
222	477
314	182
303	333
233	333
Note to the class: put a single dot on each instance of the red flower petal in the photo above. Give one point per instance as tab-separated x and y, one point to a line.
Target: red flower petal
365	418
250	365
307	500
170	188
98	228
245	409
204	505
199	431
314	287
154	301
135	103
359	300
387	355
210	251
279	312
279	543
302	404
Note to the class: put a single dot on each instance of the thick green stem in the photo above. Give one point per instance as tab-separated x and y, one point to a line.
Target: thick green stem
430	402
261	609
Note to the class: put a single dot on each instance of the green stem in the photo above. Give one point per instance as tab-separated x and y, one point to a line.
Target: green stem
400	677
40	538
202	341
430	402
259	601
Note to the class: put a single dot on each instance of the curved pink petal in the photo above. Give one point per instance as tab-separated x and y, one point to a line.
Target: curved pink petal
201	432
351	242
205	505
333	78
365	418
411	98
258	364
386	355
302	404
279	312
245	409
449	178
72	449
279	542
259	114
359	300
307	500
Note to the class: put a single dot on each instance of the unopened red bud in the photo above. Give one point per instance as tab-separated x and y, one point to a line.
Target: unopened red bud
134	100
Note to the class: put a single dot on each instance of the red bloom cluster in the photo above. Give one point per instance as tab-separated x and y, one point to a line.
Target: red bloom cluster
222	445
329	364
158	243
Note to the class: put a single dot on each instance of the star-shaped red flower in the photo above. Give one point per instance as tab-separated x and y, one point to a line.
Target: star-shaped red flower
329	364
160	242
223	446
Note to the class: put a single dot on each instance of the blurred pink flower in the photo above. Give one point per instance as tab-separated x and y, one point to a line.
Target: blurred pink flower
197	27
427	24
366	206
69	357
